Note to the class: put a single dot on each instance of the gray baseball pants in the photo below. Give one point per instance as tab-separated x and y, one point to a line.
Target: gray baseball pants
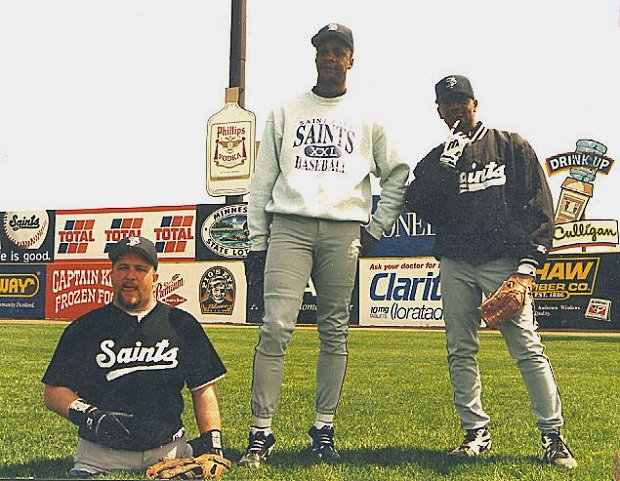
462	286
301	247
92	459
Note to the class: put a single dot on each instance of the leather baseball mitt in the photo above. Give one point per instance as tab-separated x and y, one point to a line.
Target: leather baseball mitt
207	466
507	301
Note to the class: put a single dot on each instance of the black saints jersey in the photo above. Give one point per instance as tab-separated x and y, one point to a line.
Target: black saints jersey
119	364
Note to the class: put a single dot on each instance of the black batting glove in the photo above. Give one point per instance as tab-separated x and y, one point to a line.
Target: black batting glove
368	242
254	264
102	424
207	443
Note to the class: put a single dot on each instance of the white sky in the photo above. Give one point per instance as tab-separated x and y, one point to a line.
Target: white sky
105	103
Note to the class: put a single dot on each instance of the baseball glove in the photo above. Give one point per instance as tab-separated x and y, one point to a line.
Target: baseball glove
207	466
507	301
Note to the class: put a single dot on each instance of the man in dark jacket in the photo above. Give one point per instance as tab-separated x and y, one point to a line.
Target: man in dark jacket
487	196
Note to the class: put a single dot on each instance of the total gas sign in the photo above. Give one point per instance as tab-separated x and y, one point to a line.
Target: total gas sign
89	235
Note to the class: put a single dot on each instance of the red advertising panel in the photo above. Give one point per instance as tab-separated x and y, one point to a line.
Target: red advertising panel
211	291
76	288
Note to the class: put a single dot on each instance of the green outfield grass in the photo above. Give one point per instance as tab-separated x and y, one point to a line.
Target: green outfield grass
395	421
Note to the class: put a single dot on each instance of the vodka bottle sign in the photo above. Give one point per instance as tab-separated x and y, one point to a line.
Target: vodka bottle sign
231	148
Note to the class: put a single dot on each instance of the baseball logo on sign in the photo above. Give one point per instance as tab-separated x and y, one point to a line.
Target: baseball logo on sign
26	229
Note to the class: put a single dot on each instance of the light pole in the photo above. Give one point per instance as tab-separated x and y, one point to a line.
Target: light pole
236	75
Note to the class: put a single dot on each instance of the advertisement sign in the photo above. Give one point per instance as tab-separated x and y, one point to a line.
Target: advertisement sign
585	233
218	291
222	232
89	235
571	227
410	236
579	291
74	289
202	247
211	291
400	292
231	148
27	237
22	292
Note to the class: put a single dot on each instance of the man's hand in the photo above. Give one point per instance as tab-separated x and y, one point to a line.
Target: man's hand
368	242
103	424
453	147
254	264
209	442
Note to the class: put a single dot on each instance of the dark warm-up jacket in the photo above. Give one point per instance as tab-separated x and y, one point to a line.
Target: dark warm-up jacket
495	204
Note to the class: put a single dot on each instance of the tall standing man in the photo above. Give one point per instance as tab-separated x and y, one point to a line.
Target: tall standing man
487	196
118	372
309	215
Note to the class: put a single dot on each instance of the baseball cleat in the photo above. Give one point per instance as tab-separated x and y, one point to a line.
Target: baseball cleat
259	449
476	441
556	451
322	443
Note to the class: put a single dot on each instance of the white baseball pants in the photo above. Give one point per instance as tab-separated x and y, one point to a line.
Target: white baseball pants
301	247
462	286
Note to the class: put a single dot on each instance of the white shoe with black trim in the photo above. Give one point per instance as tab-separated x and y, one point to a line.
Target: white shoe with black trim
476	441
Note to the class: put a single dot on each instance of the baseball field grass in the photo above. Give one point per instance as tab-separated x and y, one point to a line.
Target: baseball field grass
395	421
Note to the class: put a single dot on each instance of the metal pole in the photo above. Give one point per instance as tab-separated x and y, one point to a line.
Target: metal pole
237	48
236	76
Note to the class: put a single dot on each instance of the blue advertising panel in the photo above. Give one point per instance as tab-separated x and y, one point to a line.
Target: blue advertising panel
22	291
579	291
410	236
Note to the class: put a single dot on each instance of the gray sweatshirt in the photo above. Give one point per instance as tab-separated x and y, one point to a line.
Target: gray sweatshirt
315	160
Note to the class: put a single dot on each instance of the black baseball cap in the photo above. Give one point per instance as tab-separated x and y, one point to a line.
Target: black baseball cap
138	245
334	30
453	86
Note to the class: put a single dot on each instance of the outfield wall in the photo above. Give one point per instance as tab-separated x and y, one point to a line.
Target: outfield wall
53	265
